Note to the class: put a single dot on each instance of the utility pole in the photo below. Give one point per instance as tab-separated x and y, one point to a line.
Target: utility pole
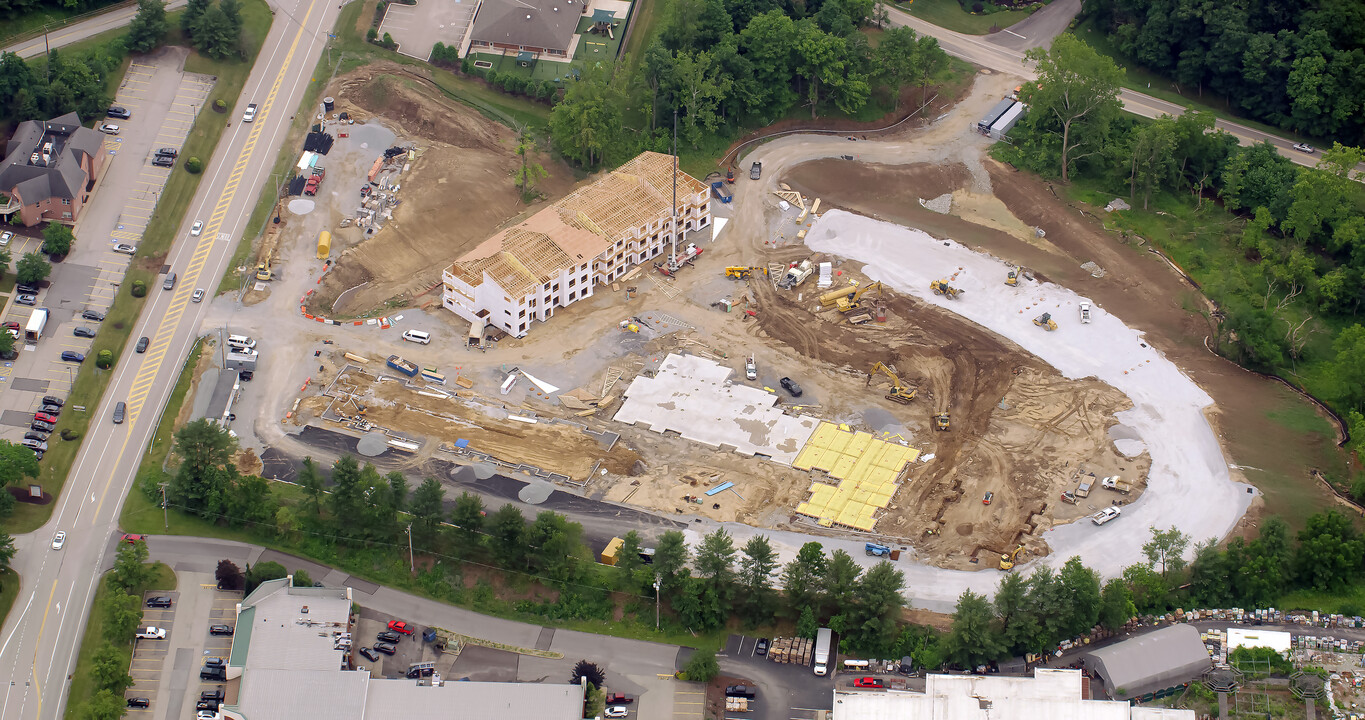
412	565
166	518
656	603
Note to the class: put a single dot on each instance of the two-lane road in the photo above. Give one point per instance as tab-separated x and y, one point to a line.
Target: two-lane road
42	635
77	31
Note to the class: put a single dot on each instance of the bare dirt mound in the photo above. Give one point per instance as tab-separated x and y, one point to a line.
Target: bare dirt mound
458	192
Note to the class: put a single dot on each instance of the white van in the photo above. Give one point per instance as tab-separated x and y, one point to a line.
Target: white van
417	336
241	341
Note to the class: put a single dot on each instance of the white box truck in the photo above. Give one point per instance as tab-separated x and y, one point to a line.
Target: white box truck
823	636
36	322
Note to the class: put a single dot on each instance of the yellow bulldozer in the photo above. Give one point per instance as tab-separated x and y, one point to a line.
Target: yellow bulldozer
941	287
1046	322
744	273
853	301
1012	277
941	421
899	392
1007	559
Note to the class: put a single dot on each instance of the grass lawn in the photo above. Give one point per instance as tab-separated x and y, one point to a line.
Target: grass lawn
1350	601
152	250
83	685
1146	82
53	17
9	590
644	18
949	15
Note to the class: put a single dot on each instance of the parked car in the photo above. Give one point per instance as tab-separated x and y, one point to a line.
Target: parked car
215	662
29	300
215	695
761	647
756	171
790	386
160	601
619	699
72	356
10	325
197	228
53	400
27	289
35	445
59	540
868	682
163	161
116	111
168	151
250	114
401	627
617	711
41	426
369	654
95	315
45	417
126	249
109	129
744	691
142	344
133	539
388	636
198	295
83	332
206	715
206	705
220	629
51	409
35	435
5	237
141	702
152	633
120	410
386	648
246	375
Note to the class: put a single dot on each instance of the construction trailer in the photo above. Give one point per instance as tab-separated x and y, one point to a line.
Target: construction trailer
984	125
1007	121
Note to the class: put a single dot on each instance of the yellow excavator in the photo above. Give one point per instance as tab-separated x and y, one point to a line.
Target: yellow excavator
1012	277
899	392
941	421
941	287
1007	559
853	300
744	273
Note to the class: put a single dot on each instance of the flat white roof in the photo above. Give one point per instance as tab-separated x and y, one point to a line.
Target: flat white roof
456	700
1277	640
1048	695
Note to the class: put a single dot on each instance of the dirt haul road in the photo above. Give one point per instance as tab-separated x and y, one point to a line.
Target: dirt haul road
1190	485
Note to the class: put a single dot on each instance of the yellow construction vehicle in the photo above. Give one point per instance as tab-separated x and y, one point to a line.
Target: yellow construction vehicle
829	299
941	287
1012	277
1046	322
263	272
853	300
628	326
899	392
1007	559
744	273
941	421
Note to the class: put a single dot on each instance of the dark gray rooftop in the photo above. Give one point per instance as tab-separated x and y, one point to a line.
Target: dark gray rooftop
546	24
43	158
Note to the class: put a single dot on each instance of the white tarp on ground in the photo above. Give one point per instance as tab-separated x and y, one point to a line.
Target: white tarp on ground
693	397
1277	640
1188	486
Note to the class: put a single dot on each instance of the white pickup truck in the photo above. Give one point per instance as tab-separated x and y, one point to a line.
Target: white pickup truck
1085	313
1117	485
1105	515
152	633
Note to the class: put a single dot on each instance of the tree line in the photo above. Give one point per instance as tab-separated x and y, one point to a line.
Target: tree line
1293	65
728	65
58	83
1288	279
1033	614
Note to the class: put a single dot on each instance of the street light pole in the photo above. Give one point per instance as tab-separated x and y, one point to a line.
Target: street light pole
656	603
165	514
412	565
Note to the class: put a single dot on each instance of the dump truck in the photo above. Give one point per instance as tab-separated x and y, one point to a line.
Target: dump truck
823	638
941	287
718	189
1085	313
899	391
1113	482
1046	322
403	366
877	550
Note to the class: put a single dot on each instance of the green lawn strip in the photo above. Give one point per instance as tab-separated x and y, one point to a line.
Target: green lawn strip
1139	79
949	15
90	381
83	685
643	27
1350	601
9	590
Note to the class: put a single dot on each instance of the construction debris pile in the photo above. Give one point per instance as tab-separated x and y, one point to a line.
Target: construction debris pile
310	174
318	142
379	194
792	650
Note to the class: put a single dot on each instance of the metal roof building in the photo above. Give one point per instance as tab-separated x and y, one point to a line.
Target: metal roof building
1149	663
286	665
1048	695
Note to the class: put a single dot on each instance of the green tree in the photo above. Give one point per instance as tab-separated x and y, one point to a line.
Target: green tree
973	639
398	490
1330	551
1017	623
122	615
1324	196
250	503
131	572
109	668
841	581
7	552
57	239
670	559
206	474
148	27
822	59
557	545
1151	592
715	559
631	573
1075	97
806	626
1258	176
301	578
6	345
1081	586
263	572
700	88
16	463
588	120
766	43
1116	604
468	516
310	479
897	61
104	705
873	619
1348	368
427	509
1167	549
189	19
701	667
1154	163
32	269
757	563
803	577
525	178
214	34
507	536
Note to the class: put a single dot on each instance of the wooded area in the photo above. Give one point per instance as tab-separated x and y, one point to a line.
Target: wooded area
1299	66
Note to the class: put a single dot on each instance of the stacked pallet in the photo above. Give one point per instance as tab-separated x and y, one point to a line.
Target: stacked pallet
792	651
738	704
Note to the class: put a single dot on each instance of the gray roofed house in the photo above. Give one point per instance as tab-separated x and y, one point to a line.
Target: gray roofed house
540	26
286	664
49	169
1147	663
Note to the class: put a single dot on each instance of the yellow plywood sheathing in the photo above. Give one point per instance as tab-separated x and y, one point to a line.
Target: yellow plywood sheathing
867	470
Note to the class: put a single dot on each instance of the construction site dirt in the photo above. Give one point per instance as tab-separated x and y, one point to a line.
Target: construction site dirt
457	193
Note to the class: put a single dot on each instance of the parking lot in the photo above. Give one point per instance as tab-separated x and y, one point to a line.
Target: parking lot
417	28
149	656
407	651
163	101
